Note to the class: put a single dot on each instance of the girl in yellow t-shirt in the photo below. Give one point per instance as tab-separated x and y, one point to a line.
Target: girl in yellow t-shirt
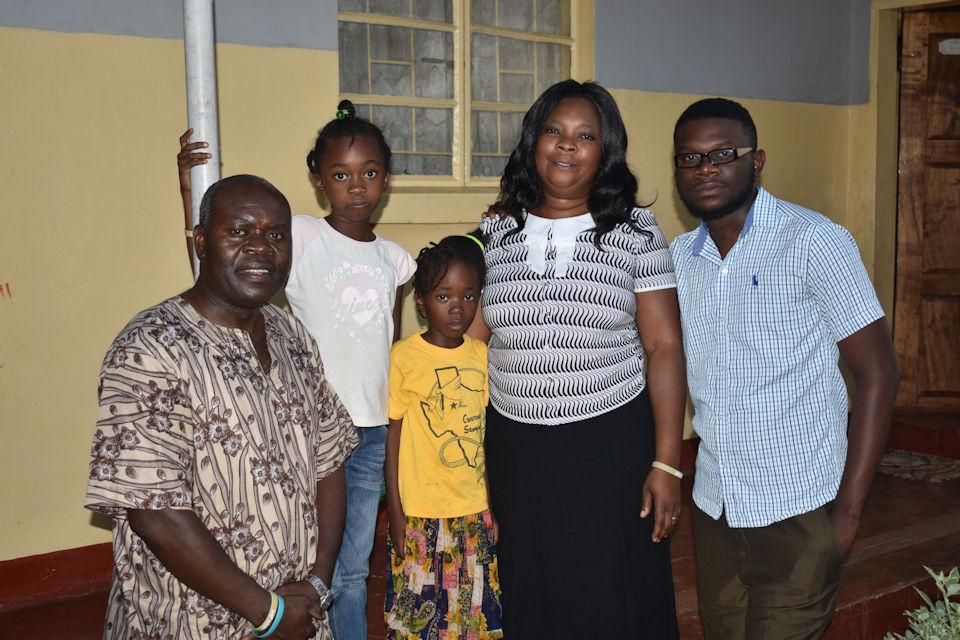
443	565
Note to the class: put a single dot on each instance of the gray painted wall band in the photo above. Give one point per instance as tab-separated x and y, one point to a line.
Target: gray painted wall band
305	24
793	50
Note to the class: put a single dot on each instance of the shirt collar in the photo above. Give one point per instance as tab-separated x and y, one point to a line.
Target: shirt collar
759	215
560	233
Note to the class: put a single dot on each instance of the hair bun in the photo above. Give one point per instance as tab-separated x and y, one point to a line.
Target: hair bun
346	110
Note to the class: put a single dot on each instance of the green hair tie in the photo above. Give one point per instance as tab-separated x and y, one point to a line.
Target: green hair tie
477	240
342	113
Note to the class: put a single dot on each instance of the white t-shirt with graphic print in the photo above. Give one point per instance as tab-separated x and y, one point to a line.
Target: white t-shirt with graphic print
344	292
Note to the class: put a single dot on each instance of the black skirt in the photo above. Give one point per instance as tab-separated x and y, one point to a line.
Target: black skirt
575	557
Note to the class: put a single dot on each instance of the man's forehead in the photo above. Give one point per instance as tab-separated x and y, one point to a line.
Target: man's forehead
710	129
245	201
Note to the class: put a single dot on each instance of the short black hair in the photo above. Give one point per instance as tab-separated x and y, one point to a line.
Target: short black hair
614	192
719	108
434	261
346	125
246	179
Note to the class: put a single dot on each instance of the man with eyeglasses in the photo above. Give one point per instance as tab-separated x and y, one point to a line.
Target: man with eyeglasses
771	295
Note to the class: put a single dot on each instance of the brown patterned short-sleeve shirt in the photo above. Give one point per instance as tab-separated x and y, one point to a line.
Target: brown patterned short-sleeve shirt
189	419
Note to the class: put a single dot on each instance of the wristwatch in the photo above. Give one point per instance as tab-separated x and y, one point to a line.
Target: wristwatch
326	598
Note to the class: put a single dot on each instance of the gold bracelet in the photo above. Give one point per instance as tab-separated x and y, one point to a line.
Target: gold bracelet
274	604
188	233
665	467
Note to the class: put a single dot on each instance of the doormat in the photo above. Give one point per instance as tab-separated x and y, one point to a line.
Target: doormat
919	466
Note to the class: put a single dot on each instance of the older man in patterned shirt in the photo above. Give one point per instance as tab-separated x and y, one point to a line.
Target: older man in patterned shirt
219	446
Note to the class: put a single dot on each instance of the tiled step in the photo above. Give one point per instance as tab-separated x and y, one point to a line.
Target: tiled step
935	433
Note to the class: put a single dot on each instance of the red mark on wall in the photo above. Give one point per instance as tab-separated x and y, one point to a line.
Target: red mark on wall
5	290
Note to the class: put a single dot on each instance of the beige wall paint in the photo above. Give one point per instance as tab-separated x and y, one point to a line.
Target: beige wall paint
91	235
93	230
92	218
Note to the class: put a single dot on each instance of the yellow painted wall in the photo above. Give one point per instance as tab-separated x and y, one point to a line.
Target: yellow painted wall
92	229
92	221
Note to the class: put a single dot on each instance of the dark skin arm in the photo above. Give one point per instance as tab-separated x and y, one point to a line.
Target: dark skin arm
188	550
331	511
870	356
397	306
478	329
658	321
188	158
391	468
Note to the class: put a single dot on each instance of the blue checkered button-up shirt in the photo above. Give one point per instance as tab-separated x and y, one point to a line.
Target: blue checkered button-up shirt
760	331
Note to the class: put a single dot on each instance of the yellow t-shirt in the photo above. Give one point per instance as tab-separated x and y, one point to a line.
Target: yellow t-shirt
441	396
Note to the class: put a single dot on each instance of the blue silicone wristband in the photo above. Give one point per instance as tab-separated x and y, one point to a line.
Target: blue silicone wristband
276	620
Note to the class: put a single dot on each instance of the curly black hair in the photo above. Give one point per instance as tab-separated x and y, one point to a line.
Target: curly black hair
433	261
614	192
346	124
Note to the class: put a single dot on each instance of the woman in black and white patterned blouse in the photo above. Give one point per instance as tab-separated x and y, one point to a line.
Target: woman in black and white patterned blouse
587	383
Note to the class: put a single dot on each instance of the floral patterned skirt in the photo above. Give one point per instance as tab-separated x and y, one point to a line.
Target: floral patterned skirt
445	585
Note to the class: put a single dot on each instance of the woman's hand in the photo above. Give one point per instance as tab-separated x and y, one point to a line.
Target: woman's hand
189	158
661	495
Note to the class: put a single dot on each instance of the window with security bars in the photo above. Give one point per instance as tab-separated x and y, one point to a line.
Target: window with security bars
448	81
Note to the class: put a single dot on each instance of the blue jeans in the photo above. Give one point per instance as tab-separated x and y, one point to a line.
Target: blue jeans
364	475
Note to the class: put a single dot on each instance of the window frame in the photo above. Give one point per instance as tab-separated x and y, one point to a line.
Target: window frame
580	42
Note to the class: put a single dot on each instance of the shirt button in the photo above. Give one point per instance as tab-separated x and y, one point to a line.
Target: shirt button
546	346
723	271
722	367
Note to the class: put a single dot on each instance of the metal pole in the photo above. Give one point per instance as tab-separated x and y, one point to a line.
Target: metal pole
202	115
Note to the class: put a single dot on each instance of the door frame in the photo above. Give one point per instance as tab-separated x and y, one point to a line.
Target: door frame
878	129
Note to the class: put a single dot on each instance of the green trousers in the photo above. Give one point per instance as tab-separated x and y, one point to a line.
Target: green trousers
778	582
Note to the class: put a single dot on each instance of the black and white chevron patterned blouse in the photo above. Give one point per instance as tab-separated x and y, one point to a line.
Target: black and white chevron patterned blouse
565	345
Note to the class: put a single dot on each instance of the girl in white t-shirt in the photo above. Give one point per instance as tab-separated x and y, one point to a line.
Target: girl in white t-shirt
345	285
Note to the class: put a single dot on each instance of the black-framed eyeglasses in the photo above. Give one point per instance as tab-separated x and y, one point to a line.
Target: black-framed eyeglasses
717	156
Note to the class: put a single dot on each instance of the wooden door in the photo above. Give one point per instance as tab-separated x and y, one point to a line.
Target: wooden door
927	307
